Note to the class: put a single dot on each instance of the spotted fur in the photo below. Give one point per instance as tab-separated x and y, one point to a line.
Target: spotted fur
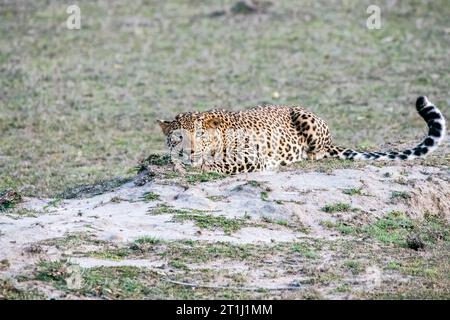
266	137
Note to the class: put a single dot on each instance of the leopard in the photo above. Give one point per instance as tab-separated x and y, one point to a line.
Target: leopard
269	136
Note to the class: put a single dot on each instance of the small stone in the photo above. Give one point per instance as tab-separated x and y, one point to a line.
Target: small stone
33	249
275	95
4	264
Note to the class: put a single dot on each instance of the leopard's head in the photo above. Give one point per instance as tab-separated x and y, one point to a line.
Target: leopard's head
191	136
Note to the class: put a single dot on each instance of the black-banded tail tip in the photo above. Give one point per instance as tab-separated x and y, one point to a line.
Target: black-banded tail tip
422	102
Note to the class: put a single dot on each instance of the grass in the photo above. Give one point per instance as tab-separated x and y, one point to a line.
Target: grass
199	252
194	178
264	196
155	160
8	291
400	195
147	240
405	275
354	266
352	191
393	228
165	209
216	198
255	184
337	207
305	250
9	199
398	229
200	218
212	222
78	107
126	283
150	196
112	254
72	241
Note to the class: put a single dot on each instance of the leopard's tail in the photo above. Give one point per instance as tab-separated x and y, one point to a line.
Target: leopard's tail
436	132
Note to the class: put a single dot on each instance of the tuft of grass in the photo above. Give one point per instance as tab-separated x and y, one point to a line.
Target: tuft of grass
337	207
400	195
52	271
340	226
165	209
150	196
216	198
345	229
9	199
112	254
73	240
116	199
352	191
283	223
356	267
177	264
212	222
255	184
194	178
305	250
264	196
398	229
154	159
393	228
8	291
147	240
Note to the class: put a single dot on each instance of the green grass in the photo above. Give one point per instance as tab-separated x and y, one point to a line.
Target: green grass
165	209
9	199
150	196
405	273
147	240
78	107
127	283
340	226
212	222
305	250
54	271
153	160
8	291
255	184
73	240
352	191
397	228
216	198
355	267
393	228
112	254
194	178
264	196
337	207
400	195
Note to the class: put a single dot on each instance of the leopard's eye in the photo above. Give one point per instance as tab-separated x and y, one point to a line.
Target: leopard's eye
176	138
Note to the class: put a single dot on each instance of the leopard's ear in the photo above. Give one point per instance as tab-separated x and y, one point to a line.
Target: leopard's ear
212	123
165	126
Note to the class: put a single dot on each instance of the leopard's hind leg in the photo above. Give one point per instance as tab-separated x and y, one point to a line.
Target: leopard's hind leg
313	134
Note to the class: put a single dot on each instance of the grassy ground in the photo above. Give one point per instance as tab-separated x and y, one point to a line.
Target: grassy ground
381	265
79	106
